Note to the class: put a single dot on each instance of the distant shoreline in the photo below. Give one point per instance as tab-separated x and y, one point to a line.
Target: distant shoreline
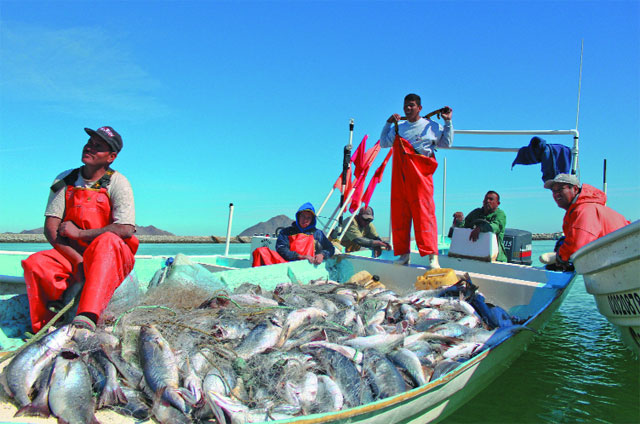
40	238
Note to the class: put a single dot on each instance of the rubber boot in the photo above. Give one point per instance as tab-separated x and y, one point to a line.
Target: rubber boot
403	259
433	261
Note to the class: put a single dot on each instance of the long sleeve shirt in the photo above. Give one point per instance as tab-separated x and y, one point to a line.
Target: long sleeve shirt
357	237
424	135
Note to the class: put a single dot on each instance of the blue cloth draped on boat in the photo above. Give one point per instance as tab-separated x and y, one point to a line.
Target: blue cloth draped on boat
554	159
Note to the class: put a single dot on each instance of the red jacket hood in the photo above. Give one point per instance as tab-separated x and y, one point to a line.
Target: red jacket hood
590	194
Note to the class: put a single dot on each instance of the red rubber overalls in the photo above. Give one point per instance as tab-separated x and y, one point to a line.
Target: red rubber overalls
107	260
412	199
303	244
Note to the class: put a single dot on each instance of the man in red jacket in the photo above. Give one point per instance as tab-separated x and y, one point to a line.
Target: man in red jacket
586	220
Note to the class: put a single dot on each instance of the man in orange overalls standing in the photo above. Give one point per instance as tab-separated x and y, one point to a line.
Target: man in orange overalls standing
414	142
90	222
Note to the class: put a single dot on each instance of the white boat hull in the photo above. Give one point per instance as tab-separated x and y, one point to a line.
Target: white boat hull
611	270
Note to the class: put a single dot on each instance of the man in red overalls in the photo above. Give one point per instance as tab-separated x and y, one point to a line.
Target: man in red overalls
414	142
90	222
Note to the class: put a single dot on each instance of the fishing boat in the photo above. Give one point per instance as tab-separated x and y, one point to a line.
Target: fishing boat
530	294
610	266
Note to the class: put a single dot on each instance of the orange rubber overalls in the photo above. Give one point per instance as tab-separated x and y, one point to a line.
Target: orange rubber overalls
107	260
412	199
303	244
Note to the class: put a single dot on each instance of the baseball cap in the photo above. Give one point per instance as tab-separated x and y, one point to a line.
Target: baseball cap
367	213
109	135
564	179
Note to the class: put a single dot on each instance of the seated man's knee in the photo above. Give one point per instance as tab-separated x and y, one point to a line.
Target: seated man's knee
105	242
107	237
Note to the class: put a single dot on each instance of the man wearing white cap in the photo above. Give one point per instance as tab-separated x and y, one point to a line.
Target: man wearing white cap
587	218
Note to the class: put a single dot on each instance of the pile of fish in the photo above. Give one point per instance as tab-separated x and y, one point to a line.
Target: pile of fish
255	355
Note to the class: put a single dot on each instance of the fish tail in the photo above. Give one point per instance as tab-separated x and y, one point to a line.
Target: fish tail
175	399
31	410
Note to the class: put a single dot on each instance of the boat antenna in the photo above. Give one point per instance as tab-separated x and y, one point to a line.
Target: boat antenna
346	163
579	83
576	165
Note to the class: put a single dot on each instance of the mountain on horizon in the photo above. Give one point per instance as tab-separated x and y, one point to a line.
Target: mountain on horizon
268	227
141	230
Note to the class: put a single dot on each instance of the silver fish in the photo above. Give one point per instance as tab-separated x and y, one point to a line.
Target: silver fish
39	407
354	354
343	371
111	393
135	407
70	394
229	330
443	367
383	342
409	313
23	370
409	360
263	336
382	375
164	412
159	365
345	317
463	351
192	383
133	376
297	318
329	397
253	300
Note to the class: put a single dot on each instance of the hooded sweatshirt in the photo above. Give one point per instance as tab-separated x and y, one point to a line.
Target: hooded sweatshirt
322	243
588	219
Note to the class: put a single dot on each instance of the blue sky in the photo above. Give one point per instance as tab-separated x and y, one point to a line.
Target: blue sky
249	102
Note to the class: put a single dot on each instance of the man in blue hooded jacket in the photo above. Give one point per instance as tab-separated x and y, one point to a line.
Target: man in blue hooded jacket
301	240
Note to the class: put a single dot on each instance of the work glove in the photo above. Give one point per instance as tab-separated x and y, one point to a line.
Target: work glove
548	258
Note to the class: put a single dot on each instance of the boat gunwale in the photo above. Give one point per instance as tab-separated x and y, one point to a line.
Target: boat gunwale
409	395
618	234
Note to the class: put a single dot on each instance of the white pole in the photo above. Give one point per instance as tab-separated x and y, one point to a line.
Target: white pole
579	83
330	220
226	248
444	196
325	201
346	204
604	180
575	166
346	227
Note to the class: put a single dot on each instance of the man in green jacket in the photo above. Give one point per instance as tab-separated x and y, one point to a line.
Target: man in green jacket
488	218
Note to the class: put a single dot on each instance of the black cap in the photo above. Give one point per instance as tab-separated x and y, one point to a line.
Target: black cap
109	135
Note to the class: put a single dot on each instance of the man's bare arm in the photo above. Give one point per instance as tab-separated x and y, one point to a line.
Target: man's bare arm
69	249
70	230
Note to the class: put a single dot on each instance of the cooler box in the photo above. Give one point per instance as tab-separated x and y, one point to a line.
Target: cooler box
262	241
483	249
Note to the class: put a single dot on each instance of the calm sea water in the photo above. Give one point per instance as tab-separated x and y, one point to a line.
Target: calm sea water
575	371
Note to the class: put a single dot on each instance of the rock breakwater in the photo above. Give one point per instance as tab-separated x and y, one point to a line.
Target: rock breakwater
40	238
